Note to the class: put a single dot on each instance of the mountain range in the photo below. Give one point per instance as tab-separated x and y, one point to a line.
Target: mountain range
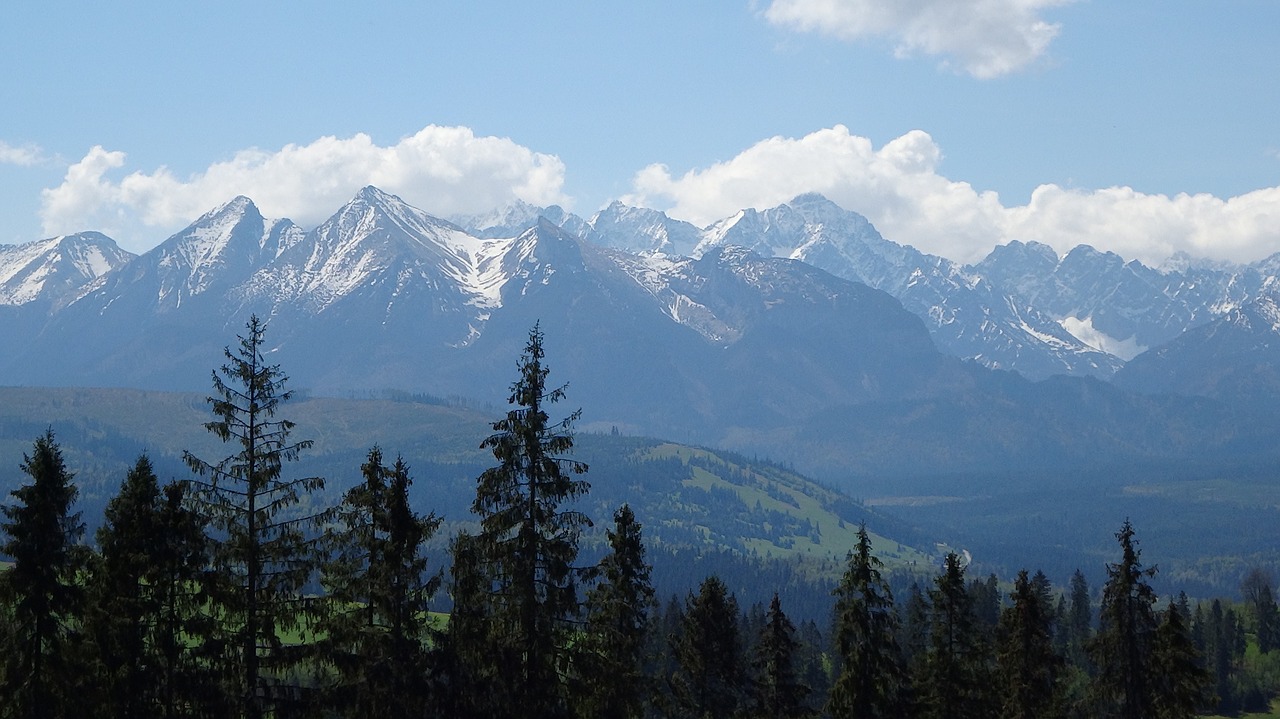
796	332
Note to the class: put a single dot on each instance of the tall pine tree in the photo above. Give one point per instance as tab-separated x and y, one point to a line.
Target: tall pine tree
1260	599
376	631
265	540
528	542
146	615
185	634
870	675
42	591
777	690
619	611
1122	649
468	670
709	681
957	678
1182	685
122	608
1028	664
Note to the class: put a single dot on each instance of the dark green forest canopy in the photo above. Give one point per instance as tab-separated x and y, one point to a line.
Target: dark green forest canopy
277	593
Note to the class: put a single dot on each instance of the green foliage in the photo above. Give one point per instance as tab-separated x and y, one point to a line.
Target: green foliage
1028	665
147	610
611	655
42	592
777	690
1182	686
709	680
957	680
1260	600
528	542
871	675
468	671
376	630
264	549
1123	647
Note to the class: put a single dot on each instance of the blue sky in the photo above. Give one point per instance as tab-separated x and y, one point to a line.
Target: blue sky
1139	126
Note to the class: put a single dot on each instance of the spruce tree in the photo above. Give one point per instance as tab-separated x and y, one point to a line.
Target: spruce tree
265	539
376	581
122	608
870	674
1222	637
709	680
1122	649
913	639
145	615
42	591
777	690
1182	685
1028	665
957	679
468	671
1077	625
619	611
185	634
528	542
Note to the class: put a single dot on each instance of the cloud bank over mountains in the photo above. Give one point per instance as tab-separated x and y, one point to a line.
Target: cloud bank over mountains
900	189
450	171
985	39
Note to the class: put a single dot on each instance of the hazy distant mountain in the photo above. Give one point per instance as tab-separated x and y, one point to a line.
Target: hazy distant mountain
730	346
1235	357
383	295
1124	307
966	316
637	229
1022	308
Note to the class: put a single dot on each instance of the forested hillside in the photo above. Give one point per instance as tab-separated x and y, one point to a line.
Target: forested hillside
248	586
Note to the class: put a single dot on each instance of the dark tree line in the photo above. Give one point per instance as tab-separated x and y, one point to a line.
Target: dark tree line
233	594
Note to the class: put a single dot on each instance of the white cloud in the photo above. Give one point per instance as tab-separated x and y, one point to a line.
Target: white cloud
24	156
444	170
899	188
987	38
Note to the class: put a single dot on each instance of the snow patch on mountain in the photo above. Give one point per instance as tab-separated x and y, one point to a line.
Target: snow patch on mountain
208	238
56	268
1083	330
24	260
671	280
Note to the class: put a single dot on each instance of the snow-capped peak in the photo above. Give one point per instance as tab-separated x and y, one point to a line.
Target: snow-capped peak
57	267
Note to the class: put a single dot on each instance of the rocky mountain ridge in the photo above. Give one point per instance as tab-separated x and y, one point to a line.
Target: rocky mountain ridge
828	355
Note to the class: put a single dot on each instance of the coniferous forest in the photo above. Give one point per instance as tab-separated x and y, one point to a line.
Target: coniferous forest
236	592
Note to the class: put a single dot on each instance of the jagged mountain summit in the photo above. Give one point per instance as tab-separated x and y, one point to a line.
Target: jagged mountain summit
1123	307
727	345
966	315
1022	308
54	270
39	278
384	295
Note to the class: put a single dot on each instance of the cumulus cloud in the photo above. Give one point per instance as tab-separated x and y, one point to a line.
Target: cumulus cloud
24	156
900	189
987	38
444	170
